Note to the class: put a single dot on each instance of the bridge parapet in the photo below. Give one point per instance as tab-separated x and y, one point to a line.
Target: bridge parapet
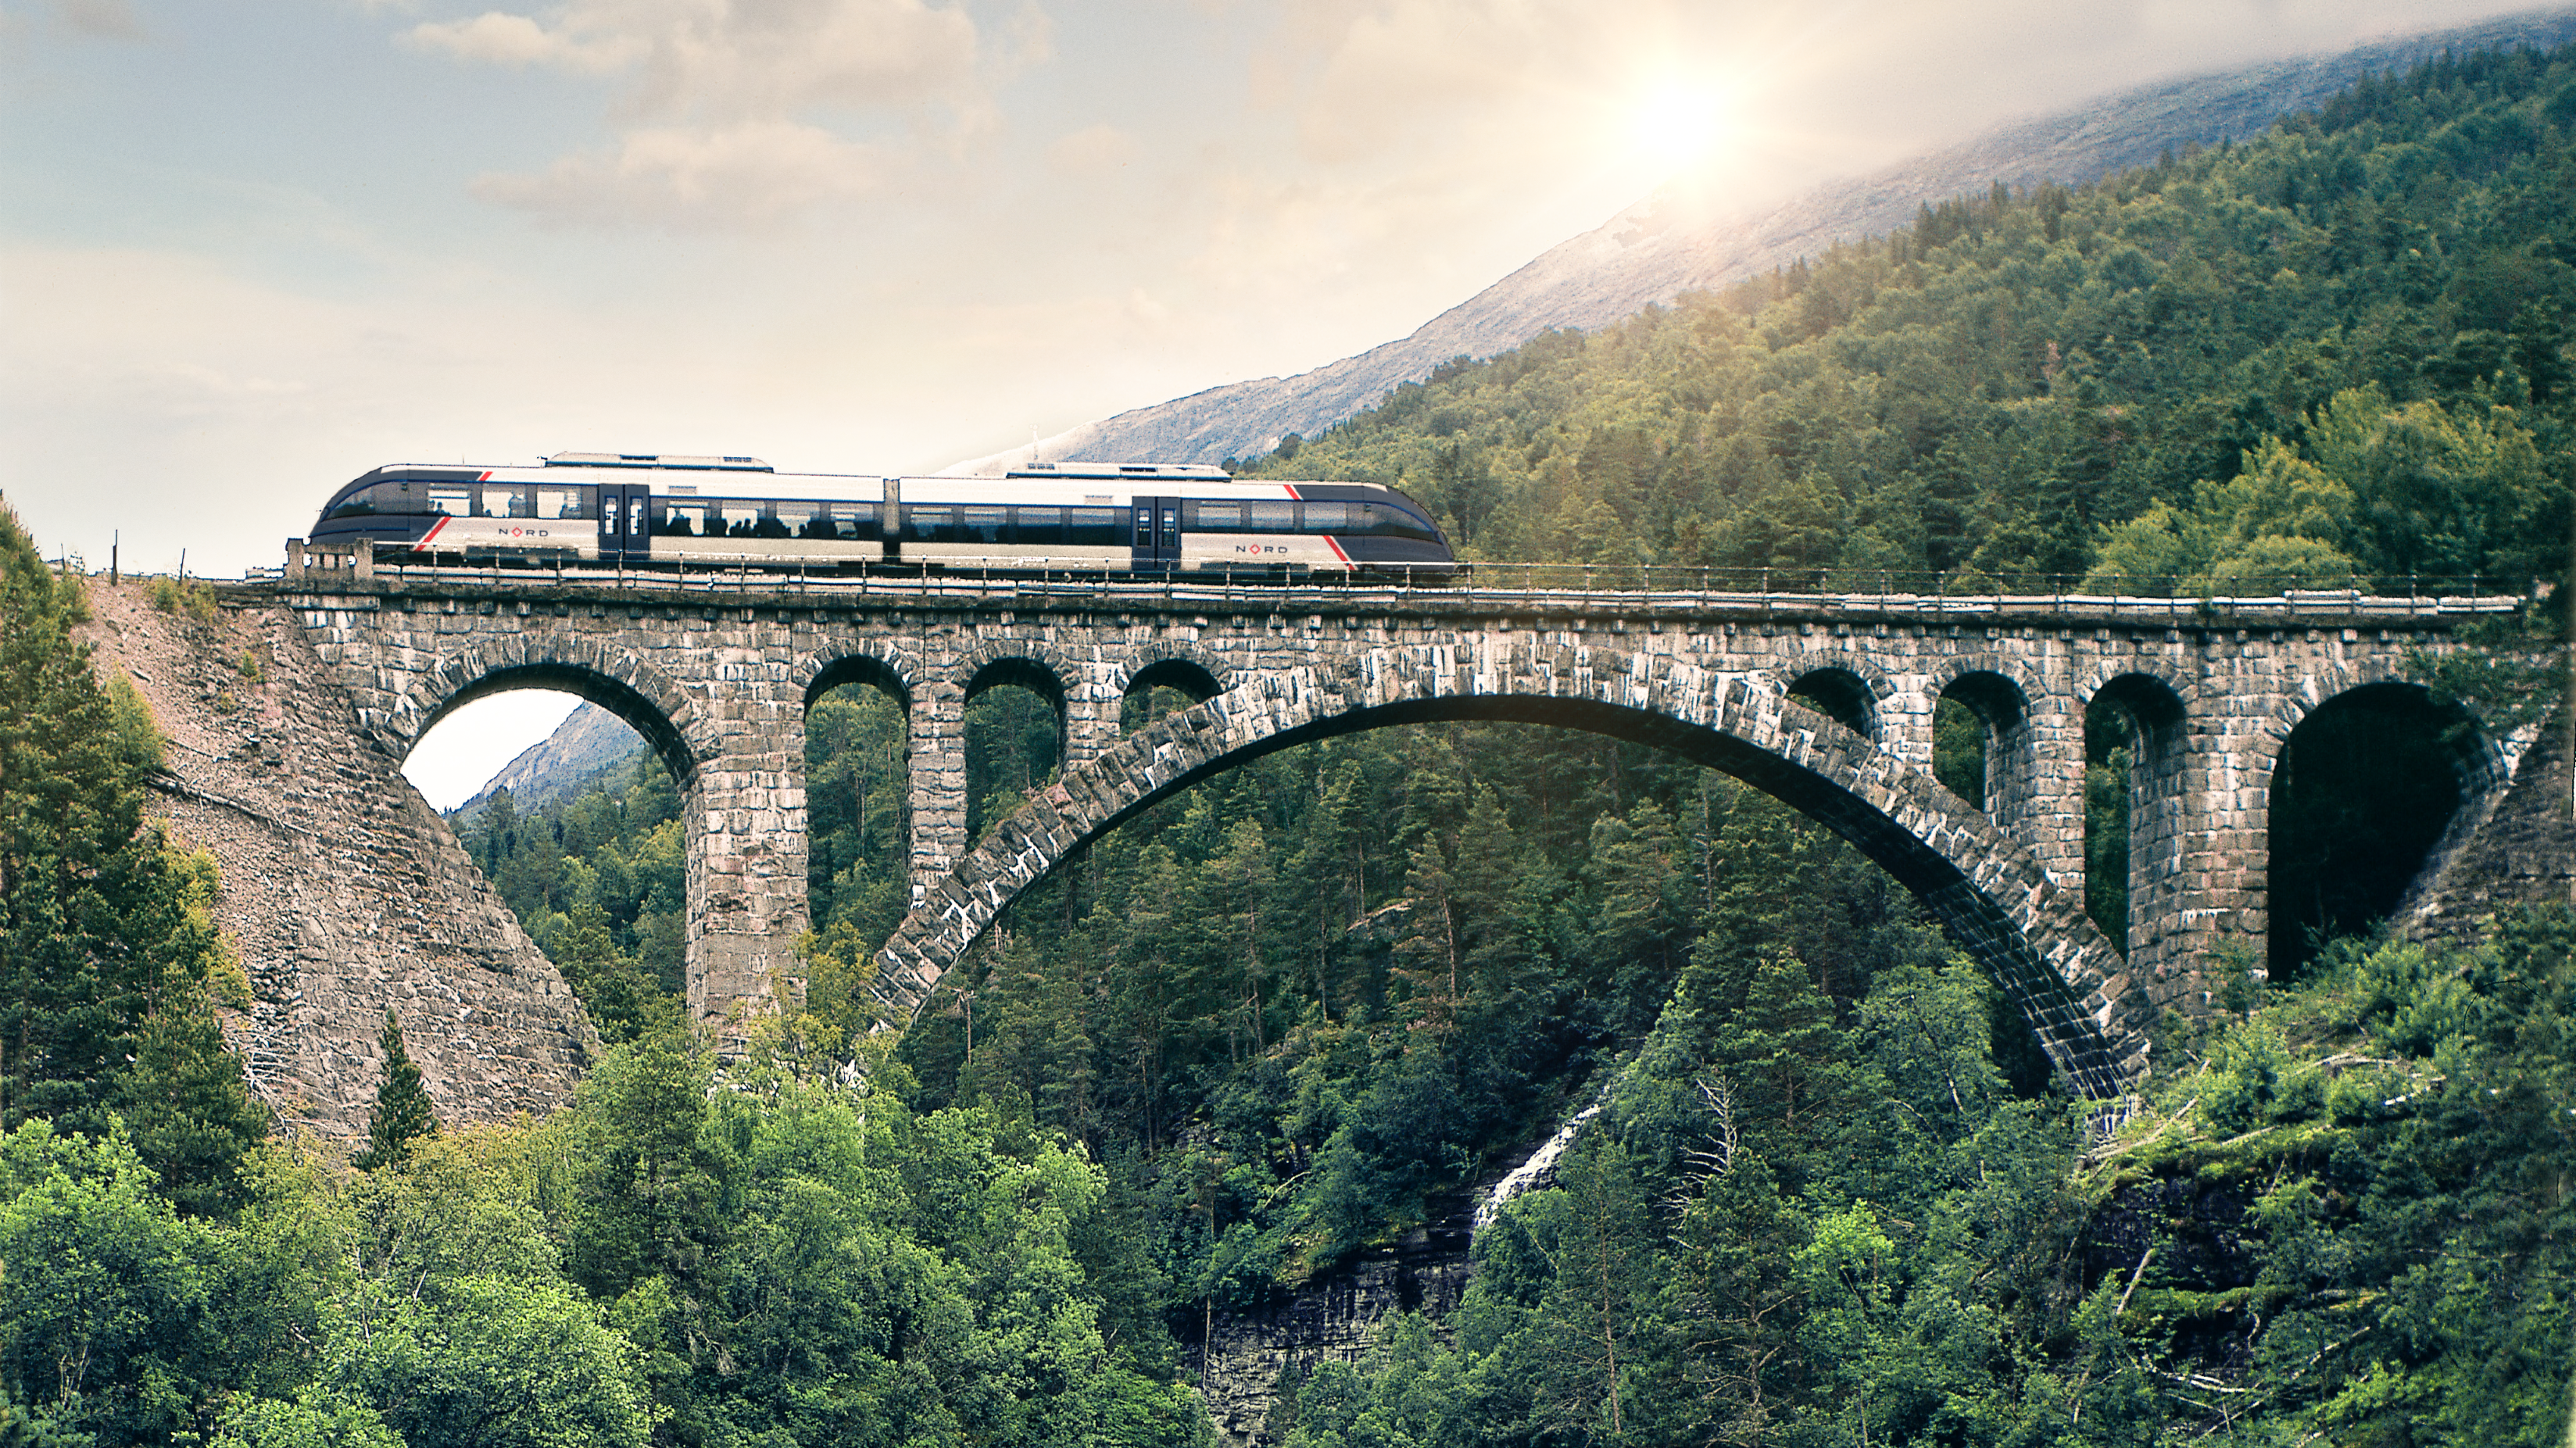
719	669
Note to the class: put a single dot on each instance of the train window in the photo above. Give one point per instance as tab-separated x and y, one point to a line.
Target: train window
361	505
1216	517
796	520
681	519
1038	525
984	525
500	501
1094	527
1327	517
455	502
733	518
930	525
560	503
856	522
1382	520
1272	517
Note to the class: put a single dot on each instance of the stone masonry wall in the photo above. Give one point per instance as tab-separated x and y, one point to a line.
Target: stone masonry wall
720	680
342	889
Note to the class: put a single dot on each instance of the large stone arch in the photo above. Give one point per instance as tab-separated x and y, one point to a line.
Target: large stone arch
614	679
2481	760
2003	907
2485	761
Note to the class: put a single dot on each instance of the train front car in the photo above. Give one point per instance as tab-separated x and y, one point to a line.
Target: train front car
468	513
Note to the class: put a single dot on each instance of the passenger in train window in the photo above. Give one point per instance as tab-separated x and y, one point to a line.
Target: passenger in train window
682	520
560	503
455	502
502	501
855	522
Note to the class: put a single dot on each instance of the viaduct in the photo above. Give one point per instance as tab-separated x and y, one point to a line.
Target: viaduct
1823	701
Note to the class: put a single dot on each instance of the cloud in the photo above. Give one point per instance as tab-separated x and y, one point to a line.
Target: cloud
732	178
92	19
730	117
494	38
1093	150
739	59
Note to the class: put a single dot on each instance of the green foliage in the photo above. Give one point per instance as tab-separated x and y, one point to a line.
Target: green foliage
403	1113
487	1362
108	1319
599	880
109	956
193	597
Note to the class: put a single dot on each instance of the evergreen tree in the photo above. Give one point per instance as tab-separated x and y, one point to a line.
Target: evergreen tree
402	1113
109	959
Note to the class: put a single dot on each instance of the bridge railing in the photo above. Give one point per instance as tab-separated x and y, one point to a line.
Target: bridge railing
1551	586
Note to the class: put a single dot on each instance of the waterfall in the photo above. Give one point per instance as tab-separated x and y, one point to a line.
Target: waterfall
1540	1163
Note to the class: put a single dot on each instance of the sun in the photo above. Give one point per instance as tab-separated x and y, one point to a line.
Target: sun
1677	124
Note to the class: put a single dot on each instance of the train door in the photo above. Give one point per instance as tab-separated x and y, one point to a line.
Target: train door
1158	534
625	522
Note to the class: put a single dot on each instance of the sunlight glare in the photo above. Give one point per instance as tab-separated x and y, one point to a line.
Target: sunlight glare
1679	123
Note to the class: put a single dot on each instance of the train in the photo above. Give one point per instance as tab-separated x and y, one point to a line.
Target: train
654	509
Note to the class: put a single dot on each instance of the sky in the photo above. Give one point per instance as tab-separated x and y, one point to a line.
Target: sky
250	249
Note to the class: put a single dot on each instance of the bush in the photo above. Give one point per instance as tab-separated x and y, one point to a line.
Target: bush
193	597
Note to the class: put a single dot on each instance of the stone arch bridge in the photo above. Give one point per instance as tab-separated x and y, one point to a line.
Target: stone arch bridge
1824	701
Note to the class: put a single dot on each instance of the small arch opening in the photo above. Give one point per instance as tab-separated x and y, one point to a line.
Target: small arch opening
1842	696
2363	792
2133	728
1980	740
858	744
1163	688
1014	723
573	816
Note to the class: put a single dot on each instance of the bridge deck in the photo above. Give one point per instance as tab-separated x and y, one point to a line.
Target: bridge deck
1550	589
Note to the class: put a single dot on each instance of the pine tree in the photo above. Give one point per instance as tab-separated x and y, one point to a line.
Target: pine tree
109	958
403	1113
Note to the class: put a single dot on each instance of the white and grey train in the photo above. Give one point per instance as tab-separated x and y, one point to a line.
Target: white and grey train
661	509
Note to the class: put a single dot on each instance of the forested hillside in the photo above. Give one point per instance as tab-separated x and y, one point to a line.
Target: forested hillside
2337	351
1832	1197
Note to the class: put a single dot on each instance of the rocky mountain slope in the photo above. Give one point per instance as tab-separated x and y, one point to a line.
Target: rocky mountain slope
1668	244
588	743
344	892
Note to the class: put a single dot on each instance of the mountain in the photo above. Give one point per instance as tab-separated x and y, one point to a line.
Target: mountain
589	742
1671	243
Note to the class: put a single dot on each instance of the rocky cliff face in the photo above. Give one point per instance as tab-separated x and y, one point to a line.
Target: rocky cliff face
1245	1358
343	890
2524	853
1672	243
